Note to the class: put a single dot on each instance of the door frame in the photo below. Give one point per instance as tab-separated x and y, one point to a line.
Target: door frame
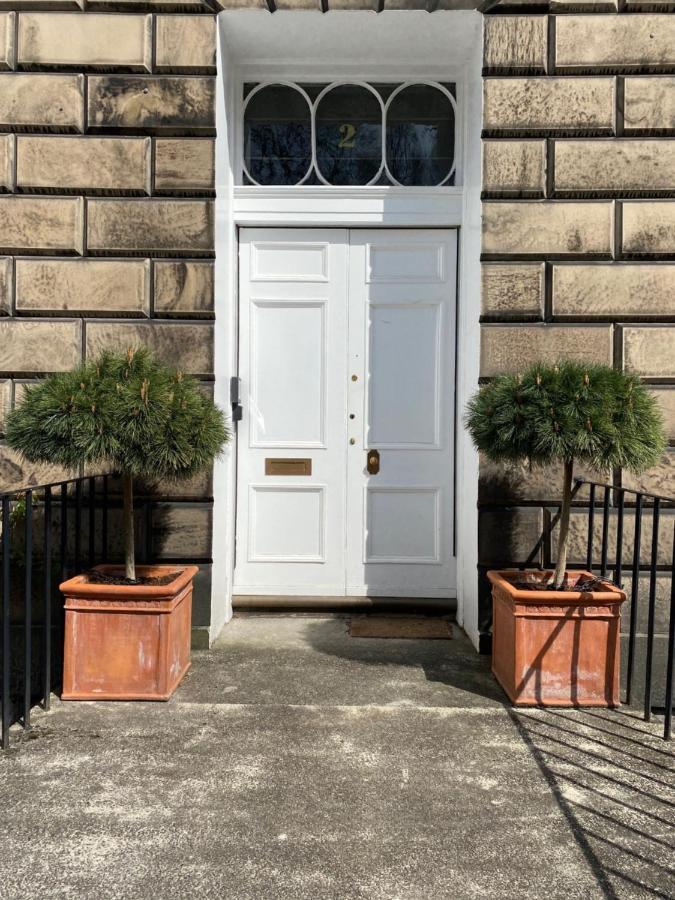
337	207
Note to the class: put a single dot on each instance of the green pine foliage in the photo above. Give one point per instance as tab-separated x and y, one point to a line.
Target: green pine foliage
570	411
567	413
127	412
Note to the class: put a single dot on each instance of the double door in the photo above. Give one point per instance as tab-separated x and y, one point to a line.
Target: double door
345	448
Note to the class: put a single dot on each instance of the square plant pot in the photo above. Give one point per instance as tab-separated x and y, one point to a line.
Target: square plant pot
556	648
127	642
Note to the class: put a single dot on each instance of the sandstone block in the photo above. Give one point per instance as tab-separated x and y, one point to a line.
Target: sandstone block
514	168
36	347
648	350
199	487
185	164
186	42
109	286
584	5
152	226
617	167
42	4
5	401
5	286
648	228
547	228
50	102
188	347
636	42
7	48
183	288
16	472
512	290
156	103
155	5
515	42
665	395
71	39
508	536
662	605
336	4
181	531
658	480
53	224
578	537
614	289
548	105
6	162
519	483
649	105
83	163
511	348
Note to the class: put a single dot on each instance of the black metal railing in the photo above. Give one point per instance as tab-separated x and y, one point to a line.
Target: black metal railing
48	533
659	563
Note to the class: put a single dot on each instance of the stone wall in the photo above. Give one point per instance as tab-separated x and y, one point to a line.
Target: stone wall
106	211
578	228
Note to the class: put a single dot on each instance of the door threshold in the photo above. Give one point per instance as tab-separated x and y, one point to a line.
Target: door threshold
277	602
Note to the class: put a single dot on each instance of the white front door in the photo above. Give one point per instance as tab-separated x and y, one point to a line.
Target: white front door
345	448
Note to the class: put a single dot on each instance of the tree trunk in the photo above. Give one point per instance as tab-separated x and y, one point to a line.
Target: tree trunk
128	517
563	533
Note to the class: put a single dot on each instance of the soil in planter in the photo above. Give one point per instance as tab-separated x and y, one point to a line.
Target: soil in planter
535	582
95	577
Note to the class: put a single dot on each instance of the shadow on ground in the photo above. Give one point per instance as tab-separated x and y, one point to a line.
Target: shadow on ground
297	763
613	777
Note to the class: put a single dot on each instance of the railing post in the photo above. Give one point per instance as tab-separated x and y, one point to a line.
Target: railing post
92	520
6	668
28	611
651	617
78	524
591	518
104	523
47	683
667	725
605	532
63	537
618	562
635	589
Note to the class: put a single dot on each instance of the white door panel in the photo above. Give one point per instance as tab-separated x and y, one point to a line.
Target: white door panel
346	346
401	391
292	358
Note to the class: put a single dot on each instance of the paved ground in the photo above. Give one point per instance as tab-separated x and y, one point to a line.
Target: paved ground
297	762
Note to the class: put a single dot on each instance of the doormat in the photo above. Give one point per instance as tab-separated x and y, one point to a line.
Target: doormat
400	627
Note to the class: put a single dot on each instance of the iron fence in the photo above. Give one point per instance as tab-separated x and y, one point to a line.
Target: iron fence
49	532
657	564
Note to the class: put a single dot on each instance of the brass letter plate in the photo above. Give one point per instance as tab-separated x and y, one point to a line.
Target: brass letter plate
288	467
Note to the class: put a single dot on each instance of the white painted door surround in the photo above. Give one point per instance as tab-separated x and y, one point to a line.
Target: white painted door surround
345	449
256	46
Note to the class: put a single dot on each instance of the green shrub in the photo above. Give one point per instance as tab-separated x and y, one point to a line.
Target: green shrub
563	414
125	411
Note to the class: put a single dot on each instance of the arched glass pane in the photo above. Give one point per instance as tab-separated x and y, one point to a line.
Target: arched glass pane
277	135
420	135
349	135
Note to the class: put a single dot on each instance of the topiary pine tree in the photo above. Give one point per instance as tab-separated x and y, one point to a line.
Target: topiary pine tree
566	413
126	411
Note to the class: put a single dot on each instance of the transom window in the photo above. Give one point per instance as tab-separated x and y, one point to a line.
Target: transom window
349	133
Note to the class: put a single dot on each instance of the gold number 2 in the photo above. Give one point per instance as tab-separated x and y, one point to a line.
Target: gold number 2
347	136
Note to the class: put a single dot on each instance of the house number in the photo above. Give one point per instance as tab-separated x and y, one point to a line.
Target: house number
347	136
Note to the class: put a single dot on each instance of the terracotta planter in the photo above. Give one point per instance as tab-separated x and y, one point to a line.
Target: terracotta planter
127	642
556	648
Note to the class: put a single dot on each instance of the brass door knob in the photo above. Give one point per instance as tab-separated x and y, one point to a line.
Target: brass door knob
373	464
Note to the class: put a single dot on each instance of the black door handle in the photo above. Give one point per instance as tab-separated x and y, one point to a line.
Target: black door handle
237	408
